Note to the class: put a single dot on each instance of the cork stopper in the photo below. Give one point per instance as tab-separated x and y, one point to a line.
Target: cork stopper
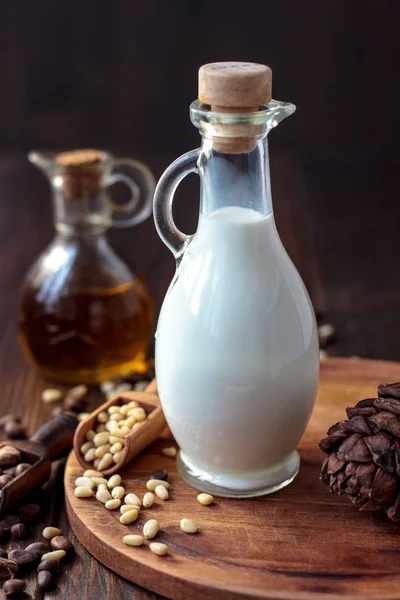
235	87
81	171
78	158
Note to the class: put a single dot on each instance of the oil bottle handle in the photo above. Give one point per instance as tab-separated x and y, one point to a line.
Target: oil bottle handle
164	198
141	183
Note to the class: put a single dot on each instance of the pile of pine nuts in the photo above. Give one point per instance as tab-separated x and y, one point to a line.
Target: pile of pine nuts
105	443
111	493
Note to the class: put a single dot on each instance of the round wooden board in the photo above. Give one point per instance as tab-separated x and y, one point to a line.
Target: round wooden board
299	543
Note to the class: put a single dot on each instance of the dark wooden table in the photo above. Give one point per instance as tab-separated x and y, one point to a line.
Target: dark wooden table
339	216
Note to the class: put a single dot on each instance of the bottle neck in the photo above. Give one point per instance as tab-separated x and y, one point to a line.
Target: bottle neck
240	180
81	216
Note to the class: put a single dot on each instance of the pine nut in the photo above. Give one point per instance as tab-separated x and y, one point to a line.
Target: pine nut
111	425
117	417
51	395
101	428
117	440
106	461
55	555
127	507
129	517
117	447
124	387
117	433
99	480
153	483
118	492
117	457
102	417
83	416
103	496
132	499
90	435
133	540
124	409
141	386
92	473
102	450
50	532
79	390
83	492
171	452
84	482
205	499
130	421
102	486
114	409
138	413
86	446
133	404
107	386
151	528
113	504
148	500
101	438
188	526
158	548
96	462
90	455
114	481
162	492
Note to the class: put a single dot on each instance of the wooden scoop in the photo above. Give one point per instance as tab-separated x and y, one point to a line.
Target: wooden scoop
51	442
146	432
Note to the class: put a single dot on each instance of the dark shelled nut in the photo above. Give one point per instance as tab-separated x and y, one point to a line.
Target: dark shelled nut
8	460
29	512
9	471
8	568
39	548
8	449
60	542
45	580
75	405
9	521
76	399
18	531
4	479
15	431
9	418
23	557
159	474
21	468
14	586
52	565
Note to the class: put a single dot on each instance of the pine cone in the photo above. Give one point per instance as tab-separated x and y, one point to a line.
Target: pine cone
364	453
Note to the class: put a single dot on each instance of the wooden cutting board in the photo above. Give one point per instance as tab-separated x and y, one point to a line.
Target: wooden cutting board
301	543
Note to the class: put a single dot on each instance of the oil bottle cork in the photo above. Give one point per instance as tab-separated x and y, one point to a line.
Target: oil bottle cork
235	87
81	172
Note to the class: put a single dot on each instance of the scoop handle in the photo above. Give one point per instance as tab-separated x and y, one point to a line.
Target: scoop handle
57	435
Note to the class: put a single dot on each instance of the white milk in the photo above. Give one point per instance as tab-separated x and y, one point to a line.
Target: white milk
237	352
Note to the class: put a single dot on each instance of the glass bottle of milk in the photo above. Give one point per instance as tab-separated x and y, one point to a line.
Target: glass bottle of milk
237	357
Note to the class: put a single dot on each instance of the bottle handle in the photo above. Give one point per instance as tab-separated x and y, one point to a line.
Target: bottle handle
163	201
141	183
